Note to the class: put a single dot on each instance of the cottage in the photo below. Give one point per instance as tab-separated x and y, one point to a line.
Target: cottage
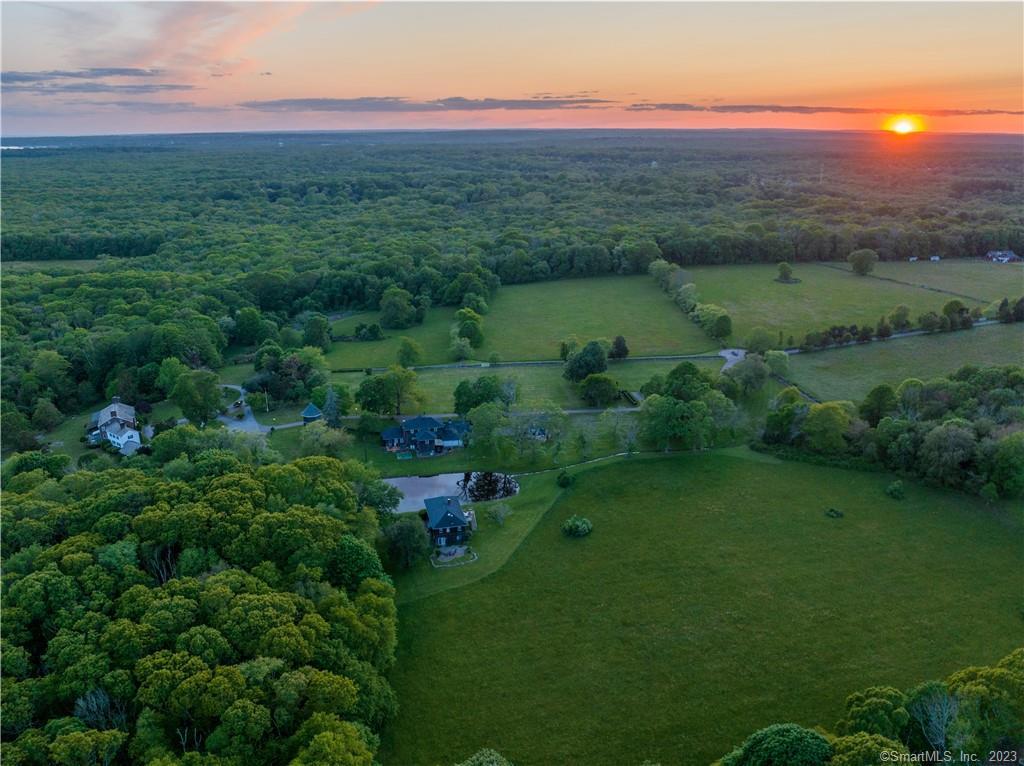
447	523
311	413
425	435
1002	256
116	424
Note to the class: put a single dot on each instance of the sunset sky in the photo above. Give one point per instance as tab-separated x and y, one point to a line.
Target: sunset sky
87	68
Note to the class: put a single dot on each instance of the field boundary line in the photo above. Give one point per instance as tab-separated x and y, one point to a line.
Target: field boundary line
912	284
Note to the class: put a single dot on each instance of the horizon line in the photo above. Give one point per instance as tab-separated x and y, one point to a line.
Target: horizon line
297	131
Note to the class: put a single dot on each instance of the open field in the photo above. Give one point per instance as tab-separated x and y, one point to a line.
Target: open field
849	373
673	631
526	322
824	296
432	336
980	279
537	384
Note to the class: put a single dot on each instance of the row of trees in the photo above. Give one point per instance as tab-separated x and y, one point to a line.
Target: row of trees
714	320
969	715
962	431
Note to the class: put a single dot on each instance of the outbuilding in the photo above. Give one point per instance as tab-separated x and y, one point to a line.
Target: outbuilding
311	413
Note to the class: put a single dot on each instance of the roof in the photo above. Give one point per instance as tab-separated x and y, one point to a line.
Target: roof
459	426
311	411
117	429
391	434
448	434
421	422
444	512
423	435
129	448
116	409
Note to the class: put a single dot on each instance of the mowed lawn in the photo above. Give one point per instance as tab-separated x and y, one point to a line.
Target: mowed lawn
849	373
825	296
432	336
536	383
714	597
529	321
980	279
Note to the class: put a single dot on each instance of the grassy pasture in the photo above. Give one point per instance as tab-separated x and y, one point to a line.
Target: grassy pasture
980	279
714	597
526	322
849	373
432	335
825	296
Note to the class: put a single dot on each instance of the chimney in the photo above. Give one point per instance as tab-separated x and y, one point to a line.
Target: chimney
116	400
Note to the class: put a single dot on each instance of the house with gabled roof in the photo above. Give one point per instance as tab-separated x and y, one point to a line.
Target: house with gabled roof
116	424
425	435
447	523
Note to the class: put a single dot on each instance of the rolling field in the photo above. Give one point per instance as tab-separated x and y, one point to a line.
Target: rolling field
825	296
673	631
980	279
432	336
526	322
849	373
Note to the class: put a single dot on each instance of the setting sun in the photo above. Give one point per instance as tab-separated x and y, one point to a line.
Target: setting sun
904	124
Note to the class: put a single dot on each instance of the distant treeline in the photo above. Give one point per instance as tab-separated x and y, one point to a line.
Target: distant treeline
77	247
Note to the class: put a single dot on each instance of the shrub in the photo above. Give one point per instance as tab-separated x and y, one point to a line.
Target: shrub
896	490
576	526
565	480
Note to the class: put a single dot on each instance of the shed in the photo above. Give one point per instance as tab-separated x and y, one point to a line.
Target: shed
311	413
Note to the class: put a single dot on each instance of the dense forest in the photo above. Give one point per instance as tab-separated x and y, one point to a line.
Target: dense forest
187	231
213	607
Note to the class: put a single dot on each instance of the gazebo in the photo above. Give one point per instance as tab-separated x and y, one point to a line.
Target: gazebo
311	413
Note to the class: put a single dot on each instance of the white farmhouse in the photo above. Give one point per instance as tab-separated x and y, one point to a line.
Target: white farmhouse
116	423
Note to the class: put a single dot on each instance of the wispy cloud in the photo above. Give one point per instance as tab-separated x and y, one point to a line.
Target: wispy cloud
150	107
50	75
55	88
401	104
789	109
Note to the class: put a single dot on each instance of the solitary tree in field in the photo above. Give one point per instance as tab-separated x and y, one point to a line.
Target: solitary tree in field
863	261
785	272
409	352
619	348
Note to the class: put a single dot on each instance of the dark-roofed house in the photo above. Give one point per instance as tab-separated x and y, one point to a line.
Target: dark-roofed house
116	424
311	413
425	435
446	521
